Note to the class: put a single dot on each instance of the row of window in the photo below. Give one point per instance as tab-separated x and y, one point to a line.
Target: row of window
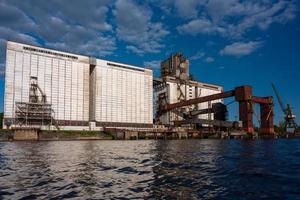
50	52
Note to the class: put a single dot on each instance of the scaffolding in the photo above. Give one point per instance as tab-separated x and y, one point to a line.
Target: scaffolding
37	112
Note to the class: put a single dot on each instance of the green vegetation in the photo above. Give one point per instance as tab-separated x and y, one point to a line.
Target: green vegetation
1	120
109	134
69	133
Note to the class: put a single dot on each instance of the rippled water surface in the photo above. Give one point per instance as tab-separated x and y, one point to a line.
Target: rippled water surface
149	169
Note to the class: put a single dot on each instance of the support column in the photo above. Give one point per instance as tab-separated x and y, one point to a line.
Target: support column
243	95
266	118
245	115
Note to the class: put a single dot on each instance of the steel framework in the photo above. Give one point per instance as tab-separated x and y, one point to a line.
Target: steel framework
36	112
243	95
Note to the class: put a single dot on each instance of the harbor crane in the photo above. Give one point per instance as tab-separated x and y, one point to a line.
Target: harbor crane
290	124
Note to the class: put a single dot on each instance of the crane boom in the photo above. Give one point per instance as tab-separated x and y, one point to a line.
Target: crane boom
290	124
284	110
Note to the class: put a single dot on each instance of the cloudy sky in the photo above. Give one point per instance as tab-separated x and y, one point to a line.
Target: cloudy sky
228	42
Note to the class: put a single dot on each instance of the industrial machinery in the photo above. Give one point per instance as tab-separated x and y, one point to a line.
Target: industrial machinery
176	66
181	107
243	95
290	125
37	112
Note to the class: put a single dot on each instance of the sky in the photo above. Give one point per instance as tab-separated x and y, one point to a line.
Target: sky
228	42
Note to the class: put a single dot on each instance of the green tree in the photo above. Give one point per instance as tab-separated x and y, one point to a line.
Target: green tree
1	120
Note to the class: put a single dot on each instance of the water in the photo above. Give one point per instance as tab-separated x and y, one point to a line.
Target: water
149	169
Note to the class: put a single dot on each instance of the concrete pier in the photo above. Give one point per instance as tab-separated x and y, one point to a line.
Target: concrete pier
26	134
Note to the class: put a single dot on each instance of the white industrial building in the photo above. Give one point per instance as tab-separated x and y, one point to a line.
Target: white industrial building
192	89
83	92
176	86
48	88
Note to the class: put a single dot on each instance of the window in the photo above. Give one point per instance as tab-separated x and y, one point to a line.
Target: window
49	52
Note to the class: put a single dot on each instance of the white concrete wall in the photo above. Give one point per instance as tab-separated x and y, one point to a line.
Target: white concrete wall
123	94
64	80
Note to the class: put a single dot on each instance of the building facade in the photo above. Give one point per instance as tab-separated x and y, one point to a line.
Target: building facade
176	86
84	92
192	89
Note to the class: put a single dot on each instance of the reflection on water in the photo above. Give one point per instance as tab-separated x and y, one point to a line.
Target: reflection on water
186	169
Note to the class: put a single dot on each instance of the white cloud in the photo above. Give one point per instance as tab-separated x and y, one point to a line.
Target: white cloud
239	49
209	59
79	39
233	18
265	15
94	18
8	34
197	26
198	55
59	25
188	8
15	18
135	27
154	64
135	50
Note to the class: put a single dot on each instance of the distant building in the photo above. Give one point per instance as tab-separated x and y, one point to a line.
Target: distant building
45	87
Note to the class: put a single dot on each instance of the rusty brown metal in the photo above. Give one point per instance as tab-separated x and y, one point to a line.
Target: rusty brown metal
266	118
222	95
262	100
243	95
218	123
246	116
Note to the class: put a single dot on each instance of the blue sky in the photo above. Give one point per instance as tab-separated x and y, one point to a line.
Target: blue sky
228	42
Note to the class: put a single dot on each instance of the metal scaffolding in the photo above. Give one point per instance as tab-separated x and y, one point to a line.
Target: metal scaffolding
36	112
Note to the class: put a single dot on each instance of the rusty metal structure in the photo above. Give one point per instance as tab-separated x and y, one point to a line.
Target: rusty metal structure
176	85
37	112
243	95
176	66
187	110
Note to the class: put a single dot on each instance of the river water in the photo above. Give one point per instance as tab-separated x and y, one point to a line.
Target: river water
151	169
